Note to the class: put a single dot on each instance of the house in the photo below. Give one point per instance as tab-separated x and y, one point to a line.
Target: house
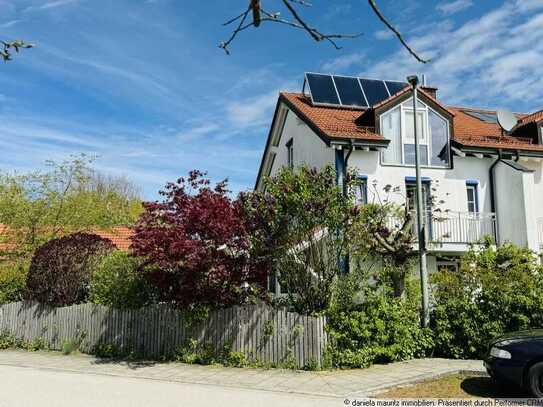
489	181
120	236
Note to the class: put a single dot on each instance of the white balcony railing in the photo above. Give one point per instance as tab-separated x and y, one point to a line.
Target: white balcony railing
455	227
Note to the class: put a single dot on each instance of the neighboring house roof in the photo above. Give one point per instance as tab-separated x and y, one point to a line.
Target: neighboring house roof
532	118
340	123
119	236
472	132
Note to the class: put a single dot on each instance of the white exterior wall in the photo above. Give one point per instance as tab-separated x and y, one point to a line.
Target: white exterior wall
308	148
451	183
536	165
515	206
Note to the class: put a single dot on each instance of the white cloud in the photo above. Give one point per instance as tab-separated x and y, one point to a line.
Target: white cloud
51	5
384	34
528	5
343	63
452	7
199	131
494	60
254	111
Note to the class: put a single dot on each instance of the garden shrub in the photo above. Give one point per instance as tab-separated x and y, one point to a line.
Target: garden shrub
60	270
194	352
12	281
496	290
381	328
118	282
198	245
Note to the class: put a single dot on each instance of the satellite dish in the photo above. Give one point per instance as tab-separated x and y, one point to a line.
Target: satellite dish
506	120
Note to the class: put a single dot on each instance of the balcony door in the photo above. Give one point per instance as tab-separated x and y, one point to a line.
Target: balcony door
411	194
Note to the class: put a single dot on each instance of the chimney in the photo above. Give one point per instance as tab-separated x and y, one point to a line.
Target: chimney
428	89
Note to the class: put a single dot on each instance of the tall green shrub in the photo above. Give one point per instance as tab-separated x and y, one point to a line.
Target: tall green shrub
12	281
495	291
117	282
381	328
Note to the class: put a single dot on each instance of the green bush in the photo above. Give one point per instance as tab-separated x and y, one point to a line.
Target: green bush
68	347
380	329
117	281
495	291
12	281
7	340
194	352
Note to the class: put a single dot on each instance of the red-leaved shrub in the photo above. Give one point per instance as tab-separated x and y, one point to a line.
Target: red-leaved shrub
197	243
60	270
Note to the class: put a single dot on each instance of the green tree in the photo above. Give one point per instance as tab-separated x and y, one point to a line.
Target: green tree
68	197
301	226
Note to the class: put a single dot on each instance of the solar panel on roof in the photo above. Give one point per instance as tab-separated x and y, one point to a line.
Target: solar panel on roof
395	87
485	117
322	89
350	91
374	90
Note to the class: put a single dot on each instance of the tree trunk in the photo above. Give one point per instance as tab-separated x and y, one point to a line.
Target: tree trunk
398	283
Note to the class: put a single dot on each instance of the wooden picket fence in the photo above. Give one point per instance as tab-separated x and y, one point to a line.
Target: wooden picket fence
261	333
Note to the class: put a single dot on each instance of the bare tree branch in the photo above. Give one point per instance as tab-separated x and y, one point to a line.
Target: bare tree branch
381	17
260	16
7	46
255	5
242	17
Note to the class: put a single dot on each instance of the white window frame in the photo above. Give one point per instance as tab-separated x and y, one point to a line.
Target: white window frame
362	188
426	129
475	189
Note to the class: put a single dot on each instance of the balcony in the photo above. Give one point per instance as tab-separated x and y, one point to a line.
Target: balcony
447	229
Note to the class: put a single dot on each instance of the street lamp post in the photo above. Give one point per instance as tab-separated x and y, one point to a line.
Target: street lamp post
425	317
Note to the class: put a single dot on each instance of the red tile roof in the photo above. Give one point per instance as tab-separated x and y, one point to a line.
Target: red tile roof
472	132
340	123
332	122
531	118
119	236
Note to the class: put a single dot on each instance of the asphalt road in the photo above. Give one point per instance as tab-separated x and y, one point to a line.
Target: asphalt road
20	386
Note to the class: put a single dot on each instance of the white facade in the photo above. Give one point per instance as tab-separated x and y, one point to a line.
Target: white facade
306	146
512	216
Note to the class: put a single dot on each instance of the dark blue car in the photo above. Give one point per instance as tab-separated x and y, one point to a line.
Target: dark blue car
517	358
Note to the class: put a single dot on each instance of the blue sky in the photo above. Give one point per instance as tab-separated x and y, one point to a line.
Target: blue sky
143	85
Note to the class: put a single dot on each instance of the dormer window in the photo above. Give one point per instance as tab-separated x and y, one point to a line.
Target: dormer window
397	125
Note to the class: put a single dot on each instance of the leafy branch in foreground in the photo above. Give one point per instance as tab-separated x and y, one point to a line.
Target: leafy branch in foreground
7	47
295	20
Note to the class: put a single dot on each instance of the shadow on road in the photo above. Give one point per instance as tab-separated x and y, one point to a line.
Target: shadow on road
131	364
